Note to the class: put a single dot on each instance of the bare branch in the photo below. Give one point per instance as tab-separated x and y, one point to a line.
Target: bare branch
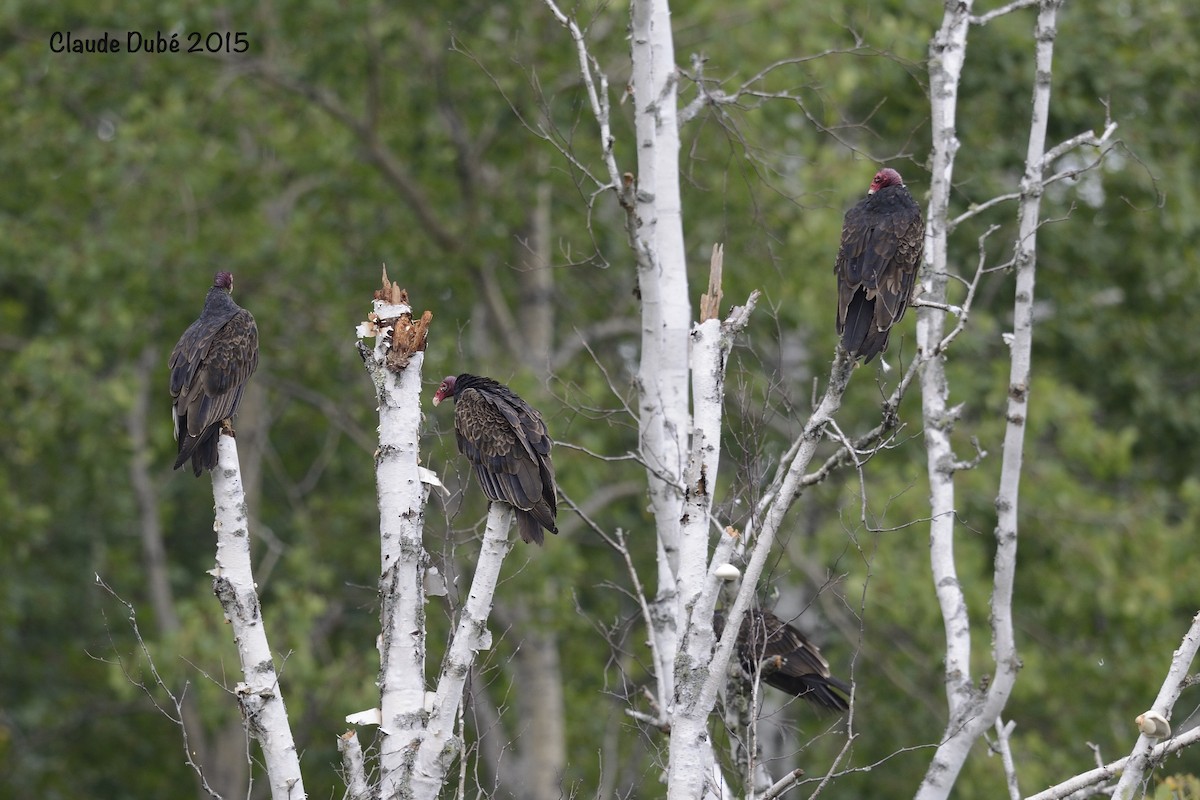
1142	757
1087	138
1003	733
590	71
179	701
1106	772
354	769
1016	5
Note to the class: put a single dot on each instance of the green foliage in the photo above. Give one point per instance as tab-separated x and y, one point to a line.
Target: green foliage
1178	787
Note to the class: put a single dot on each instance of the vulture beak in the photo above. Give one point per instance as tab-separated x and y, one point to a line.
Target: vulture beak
437	398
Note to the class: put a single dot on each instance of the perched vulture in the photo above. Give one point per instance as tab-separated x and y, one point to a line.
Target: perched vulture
783	658
505	439
883	238
210	365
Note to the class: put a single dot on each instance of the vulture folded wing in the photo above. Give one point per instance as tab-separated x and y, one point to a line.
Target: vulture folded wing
900	259
506	470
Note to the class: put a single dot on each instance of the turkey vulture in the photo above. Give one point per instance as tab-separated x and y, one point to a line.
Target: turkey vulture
883	239
505	439
210	365
782	657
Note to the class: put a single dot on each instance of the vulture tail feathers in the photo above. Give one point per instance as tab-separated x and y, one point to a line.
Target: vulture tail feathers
814	688
860	316
202	450
529	527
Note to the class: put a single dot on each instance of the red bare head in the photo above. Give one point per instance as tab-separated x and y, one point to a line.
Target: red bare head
445	390
885	177
223	280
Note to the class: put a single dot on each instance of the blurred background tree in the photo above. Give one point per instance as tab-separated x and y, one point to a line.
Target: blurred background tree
351	135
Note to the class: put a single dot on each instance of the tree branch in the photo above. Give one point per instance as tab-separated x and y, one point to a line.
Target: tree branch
947	53
1143	755
440	745
259	693
353	767
1106	772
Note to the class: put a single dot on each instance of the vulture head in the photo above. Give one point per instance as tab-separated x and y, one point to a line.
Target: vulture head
445	390
885	177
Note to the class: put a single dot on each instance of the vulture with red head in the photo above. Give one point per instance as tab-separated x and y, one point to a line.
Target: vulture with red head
506	442
210	365
784	658
883	239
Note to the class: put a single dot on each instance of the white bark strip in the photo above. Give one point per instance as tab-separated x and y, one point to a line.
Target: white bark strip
947	53
401	494
663	413
971	714
692	769
259	693
441	745
653	220
662	270
402	486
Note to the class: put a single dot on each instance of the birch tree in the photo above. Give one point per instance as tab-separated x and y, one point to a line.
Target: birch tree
680	390
679	620
972	712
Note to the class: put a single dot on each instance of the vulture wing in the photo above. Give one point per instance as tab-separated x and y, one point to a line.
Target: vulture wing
210	365
505	440
784	658
883	239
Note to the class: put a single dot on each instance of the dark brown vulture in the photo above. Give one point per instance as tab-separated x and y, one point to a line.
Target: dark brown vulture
883	239
782	657
505	439
210	365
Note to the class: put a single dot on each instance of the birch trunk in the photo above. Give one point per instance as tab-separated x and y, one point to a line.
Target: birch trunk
663	423
947	52
259	694
692	770
403	559
973	713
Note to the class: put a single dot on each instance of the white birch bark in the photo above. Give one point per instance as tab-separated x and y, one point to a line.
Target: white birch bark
419	739
947	53
259	694
420	742
353	767
440	745
663	421
692	770
973	713
403	559
662	266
